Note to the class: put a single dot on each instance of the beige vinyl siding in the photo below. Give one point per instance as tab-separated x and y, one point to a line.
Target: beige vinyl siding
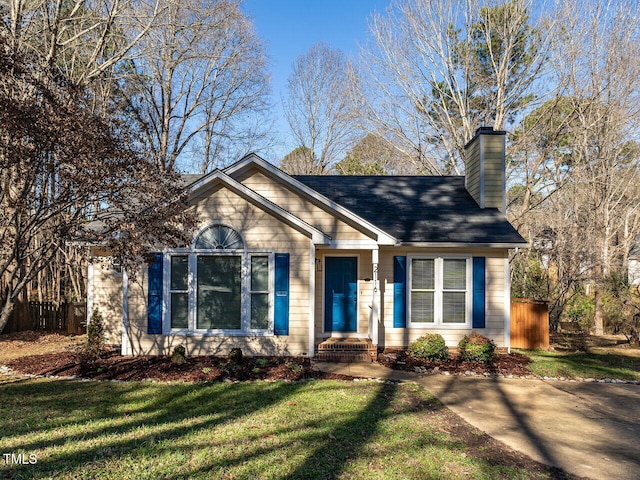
260	230
107	299
495	299
493	171
484	171
634	271
365	289
299	206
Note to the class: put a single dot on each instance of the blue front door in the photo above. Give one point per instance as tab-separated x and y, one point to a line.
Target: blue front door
341	294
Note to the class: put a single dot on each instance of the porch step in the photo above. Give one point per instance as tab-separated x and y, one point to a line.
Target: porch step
346	350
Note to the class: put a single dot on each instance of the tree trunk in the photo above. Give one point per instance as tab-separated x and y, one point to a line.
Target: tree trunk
7	308
598	317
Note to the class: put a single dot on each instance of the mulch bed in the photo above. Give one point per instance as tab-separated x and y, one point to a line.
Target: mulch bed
217	369
195	369
512	364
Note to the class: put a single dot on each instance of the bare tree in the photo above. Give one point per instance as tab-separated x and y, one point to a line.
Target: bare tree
84	41
59	162
599	63
100	47
83	38
199	76
578	156
436	70
316	107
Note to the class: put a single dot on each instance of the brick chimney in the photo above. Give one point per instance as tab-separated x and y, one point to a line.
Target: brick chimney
485	168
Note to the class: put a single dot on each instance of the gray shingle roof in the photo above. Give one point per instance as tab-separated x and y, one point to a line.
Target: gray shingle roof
189	178
417	209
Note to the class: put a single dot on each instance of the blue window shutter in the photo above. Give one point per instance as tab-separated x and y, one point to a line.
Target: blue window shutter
281	302
399	292
479	292
154	306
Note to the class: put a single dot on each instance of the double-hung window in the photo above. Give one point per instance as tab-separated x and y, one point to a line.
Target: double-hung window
179	288
219	286
439	291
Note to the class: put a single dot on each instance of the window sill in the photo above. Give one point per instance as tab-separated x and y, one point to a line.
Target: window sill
207	333
440	326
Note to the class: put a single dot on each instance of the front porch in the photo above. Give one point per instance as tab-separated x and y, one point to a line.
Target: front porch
347	299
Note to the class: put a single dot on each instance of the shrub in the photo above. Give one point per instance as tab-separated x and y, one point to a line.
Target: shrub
429	347
580	309
476	347
96	345
235	355
179	355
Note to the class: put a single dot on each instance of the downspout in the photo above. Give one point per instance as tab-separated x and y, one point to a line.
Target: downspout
125	347
507	303
90	290
312	298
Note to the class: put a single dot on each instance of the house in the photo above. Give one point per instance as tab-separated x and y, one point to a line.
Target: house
288	265
634	263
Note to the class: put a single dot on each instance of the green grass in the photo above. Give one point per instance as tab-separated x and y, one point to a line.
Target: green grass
253	430
593	364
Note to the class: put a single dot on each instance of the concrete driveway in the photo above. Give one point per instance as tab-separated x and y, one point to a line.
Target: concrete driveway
587	429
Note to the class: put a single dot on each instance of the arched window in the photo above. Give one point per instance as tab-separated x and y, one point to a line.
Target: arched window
219	285
219	237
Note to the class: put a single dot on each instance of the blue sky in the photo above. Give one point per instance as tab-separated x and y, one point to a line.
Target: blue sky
290	27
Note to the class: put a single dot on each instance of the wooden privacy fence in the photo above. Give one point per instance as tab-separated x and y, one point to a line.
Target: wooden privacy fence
529	324
48	316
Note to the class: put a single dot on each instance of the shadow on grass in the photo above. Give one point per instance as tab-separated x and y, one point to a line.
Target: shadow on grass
585	364
91	421
199	430
347	439
304	430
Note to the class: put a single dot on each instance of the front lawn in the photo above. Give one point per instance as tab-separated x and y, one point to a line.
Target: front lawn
248	430
19	344
597	363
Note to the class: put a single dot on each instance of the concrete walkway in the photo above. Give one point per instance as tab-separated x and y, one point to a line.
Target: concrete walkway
587	429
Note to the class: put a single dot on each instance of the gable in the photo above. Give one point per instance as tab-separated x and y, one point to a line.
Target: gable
260	228
339	226
292	202
205	195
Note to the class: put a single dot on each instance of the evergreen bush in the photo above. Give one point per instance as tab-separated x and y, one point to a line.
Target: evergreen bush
429	347
179	355
476	347
235	355
96	344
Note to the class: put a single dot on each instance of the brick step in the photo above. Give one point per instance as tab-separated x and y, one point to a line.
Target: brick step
343	357
345	350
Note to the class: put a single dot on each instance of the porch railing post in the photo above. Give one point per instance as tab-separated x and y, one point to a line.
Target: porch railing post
373	328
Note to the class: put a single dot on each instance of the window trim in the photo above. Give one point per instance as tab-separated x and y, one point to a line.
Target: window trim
438	291
192	302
